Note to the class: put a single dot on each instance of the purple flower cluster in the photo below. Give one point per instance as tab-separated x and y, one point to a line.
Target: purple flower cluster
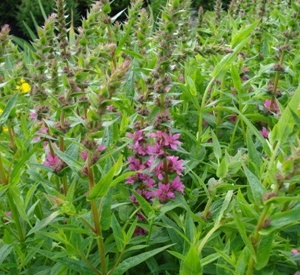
158	173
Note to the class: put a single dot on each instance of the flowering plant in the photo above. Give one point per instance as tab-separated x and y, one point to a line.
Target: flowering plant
156	146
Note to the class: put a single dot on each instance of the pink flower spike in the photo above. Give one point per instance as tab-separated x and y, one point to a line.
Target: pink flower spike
177	185
264	132
51	161
33	114
295	251
164	192
271	106
101	148
175	165
84	155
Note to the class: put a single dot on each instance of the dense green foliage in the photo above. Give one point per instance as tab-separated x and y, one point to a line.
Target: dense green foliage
19	13
159	146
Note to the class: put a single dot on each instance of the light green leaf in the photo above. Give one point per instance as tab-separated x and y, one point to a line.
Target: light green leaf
243	34
264	251
285	125
256	186
5	250
223	66
282	220
102	187
68	159
43	223
119	234
137	259
191	264
216	146
8	108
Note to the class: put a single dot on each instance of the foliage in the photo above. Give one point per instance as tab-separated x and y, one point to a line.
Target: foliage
166	146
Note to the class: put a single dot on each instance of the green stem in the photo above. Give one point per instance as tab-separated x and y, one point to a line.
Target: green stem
206	209
3	178
257	237
208	235
96	219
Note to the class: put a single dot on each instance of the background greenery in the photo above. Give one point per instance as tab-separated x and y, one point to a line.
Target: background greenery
17	12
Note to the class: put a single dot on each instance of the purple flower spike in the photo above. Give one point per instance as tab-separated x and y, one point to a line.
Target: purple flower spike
264	132
164	192
51	161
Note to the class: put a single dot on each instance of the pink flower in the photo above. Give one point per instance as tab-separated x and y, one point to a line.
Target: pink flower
139	231
33	115
295	251
40	133
271	106
101	148
175	165
138	142
84	155
164	192
52	161
264	132
167	89
177	185
135	164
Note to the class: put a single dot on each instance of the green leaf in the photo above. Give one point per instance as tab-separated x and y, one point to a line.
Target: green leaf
106	211
223	66
216	146
284	127
282	220
243	233
222	169
256	186
225	205
102	187
144	204
236	79
8	108
119	234
137	259
254	131
5	250
68	158
191	264
191	85
253	154
243	34
43	223
264	251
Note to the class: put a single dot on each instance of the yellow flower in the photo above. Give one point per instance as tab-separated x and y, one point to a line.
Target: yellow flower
1	111
24	86
5	129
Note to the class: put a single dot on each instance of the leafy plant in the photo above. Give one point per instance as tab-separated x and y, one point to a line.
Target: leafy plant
166	146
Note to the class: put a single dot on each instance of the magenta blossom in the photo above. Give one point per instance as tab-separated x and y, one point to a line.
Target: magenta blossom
139	231
51	161
33	115
295	251
177	185
164	192
271	106
84	155
265	132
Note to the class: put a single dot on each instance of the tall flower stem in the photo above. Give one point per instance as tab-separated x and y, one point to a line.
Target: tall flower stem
97	226
3	177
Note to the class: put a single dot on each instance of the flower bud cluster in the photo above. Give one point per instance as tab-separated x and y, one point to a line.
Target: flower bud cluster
158	172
